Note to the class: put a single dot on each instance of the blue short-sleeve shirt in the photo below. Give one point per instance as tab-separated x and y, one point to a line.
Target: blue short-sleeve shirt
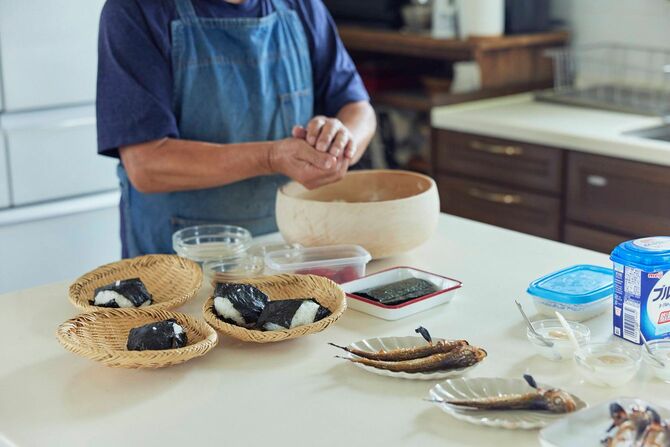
134	94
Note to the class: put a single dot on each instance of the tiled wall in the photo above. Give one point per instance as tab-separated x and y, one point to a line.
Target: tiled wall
639	22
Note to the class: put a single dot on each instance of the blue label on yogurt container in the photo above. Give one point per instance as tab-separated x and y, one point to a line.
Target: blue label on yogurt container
641	303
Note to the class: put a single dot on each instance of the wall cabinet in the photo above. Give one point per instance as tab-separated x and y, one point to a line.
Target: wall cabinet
58	241
587	200
48	52
52	155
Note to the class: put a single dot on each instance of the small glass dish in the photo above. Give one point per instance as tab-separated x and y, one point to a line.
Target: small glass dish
608	364
661	350
233	268
204	243
553	331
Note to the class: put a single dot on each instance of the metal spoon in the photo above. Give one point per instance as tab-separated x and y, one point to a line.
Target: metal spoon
651	354
544	341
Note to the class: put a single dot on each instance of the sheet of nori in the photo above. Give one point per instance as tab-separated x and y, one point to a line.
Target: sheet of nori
279	312
248	300
133	289
400	291
155	336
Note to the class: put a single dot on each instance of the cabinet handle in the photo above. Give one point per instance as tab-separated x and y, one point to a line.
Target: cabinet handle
496	149
596	180
495	197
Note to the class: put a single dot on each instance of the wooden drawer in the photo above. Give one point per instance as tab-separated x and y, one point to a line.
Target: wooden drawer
592	239
618	195
505	207
504	161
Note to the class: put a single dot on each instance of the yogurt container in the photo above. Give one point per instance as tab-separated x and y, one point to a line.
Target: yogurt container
642	289
579	292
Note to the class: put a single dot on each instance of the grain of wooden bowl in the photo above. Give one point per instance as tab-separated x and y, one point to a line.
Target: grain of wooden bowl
102	335
387	212
282	287
171	280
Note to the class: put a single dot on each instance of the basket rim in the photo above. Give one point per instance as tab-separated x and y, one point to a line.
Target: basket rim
186	352
75	295
236	332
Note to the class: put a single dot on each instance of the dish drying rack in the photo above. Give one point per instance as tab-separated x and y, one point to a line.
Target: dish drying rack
617	77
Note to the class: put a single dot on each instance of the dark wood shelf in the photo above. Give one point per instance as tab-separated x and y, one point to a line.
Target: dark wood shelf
421	101
397	42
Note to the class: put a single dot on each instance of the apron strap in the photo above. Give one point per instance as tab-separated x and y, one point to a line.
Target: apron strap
185	9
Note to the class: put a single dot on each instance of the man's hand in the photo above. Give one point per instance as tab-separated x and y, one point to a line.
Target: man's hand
297	159
327	135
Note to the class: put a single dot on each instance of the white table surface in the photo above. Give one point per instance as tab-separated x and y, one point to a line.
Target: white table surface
295	393
519	117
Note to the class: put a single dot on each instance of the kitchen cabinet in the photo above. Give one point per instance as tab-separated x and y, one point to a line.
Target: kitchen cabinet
620	195
48	51
592	201
4	176
504	206
52	155
58	241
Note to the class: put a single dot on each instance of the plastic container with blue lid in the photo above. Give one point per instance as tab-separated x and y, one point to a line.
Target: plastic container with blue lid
642	289
579	292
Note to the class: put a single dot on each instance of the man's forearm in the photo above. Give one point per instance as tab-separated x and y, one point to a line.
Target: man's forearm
176	165
359	118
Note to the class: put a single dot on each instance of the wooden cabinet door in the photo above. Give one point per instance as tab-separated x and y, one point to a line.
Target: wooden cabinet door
618	195
502	161
592	239
505	207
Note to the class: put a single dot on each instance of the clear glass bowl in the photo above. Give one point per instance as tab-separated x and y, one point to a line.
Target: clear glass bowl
210	242
661	350
608	364
232	269
553	331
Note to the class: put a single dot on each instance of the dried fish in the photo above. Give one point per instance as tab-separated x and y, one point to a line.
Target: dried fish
636	428
402	354
458	357
552	400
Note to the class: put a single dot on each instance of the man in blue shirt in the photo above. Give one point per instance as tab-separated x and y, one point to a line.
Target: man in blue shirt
211	105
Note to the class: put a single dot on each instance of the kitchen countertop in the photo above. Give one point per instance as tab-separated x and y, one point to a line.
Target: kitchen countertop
295	393
519	117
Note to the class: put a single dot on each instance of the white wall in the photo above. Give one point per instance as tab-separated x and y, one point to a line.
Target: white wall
638	22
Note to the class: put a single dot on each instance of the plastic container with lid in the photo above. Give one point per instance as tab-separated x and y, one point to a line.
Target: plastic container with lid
204	243
340	263
642	289
579	292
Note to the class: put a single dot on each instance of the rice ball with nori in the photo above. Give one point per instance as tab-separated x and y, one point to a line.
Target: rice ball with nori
288	314
166	334
239	304
123	293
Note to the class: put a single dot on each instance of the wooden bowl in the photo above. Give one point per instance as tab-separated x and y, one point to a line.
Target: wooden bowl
102	336
170	279
387	212
283	287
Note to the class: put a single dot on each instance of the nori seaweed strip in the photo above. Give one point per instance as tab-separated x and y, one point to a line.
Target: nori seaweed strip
156	336
132	289
247	300
400	291
279	312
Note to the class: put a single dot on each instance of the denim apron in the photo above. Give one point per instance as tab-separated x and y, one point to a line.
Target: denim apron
235	80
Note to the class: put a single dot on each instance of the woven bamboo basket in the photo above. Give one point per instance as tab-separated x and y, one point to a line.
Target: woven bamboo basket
170	279
282	287
102	336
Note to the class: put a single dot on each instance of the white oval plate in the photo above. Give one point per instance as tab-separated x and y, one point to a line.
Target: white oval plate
390	343
472	388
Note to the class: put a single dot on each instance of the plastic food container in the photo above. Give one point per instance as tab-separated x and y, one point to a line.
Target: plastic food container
447	288
260	249
231	269
579	292
661	350
608	364
340	263
642	289
553	331
204	243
